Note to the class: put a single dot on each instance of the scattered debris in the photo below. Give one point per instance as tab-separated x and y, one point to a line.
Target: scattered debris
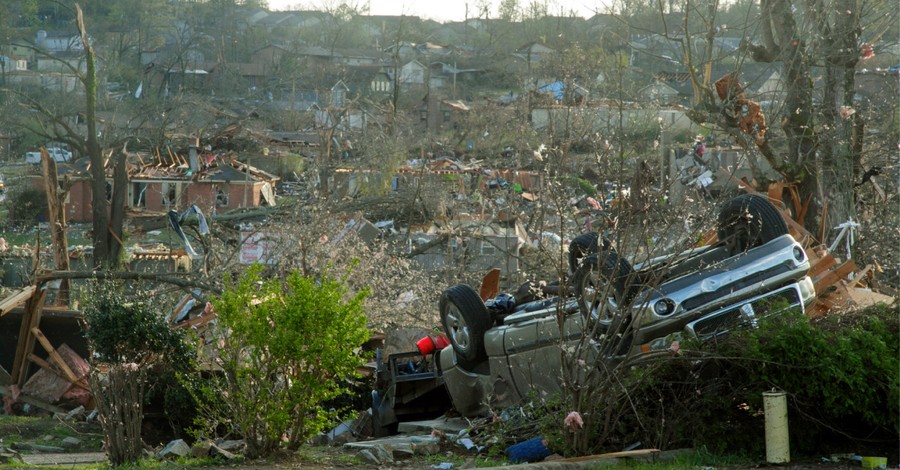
177	220
532	450
177	448
70	442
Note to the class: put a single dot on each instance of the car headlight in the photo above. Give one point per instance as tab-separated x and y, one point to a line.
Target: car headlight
663	307
799	255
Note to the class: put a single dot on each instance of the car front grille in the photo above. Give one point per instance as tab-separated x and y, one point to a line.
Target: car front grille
708	297
724	320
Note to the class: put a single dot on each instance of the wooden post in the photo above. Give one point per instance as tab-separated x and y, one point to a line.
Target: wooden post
57	211
54	356
30	319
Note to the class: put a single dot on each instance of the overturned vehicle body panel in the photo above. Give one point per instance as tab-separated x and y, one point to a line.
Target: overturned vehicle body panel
614	310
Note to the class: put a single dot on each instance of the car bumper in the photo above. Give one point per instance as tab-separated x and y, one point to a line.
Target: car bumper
758	272
746	313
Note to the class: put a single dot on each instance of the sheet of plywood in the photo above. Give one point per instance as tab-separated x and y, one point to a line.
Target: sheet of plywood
867	298
50	386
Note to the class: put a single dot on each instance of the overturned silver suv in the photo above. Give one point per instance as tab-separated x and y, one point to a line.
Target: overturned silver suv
613	309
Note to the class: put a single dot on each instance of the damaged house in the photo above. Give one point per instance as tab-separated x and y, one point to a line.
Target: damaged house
214	182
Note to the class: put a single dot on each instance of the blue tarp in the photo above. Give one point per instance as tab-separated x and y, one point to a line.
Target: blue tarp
556	88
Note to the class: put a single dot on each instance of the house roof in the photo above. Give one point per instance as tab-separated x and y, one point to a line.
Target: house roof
271	46
215	167
275	18
175	166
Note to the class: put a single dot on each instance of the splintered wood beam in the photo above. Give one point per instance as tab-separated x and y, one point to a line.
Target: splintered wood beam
16	299
54	356
31	318
833	276
56	210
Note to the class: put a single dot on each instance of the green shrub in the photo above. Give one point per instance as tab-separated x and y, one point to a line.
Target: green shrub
285	347
144	355
586	187
841	373
122	330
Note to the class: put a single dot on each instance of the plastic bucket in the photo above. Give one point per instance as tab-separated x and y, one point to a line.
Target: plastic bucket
425	345
429	344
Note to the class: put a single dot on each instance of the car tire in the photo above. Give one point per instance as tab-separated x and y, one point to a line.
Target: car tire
583	245
465	320
602	279
748	221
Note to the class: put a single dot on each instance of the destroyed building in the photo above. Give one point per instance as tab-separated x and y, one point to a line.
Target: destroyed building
167	180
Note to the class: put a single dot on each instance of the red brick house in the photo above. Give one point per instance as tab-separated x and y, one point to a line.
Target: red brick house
214	182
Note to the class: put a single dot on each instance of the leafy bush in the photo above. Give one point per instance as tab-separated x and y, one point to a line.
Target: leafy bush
121	329
144	356
841	373
586	187
284	347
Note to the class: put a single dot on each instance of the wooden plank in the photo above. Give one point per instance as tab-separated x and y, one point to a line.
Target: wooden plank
57	359
859	277
16	299
56	210
824	264
835	275
181	303
195	322
613	455
30	319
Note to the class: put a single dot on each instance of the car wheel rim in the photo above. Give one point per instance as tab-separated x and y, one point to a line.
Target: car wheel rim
459	330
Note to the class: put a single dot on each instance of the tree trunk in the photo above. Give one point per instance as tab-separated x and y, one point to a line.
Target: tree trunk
120	403
840	157
105	254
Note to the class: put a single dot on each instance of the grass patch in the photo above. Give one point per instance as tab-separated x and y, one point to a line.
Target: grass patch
49	431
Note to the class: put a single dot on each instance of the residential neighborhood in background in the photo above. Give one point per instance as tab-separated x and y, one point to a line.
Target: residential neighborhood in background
654	165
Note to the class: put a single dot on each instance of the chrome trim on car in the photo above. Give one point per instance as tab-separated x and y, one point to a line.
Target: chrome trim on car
747	312
725	283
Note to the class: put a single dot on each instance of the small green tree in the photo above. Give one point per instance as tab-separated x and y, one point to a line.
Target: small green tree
285	345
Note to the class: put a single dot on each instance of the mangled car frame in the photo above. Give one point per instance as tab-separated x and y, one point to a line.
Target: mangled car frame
505	354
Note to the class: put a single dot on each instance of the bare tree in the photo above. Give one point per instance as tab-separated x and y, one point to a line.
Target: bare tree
819	147
108	213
